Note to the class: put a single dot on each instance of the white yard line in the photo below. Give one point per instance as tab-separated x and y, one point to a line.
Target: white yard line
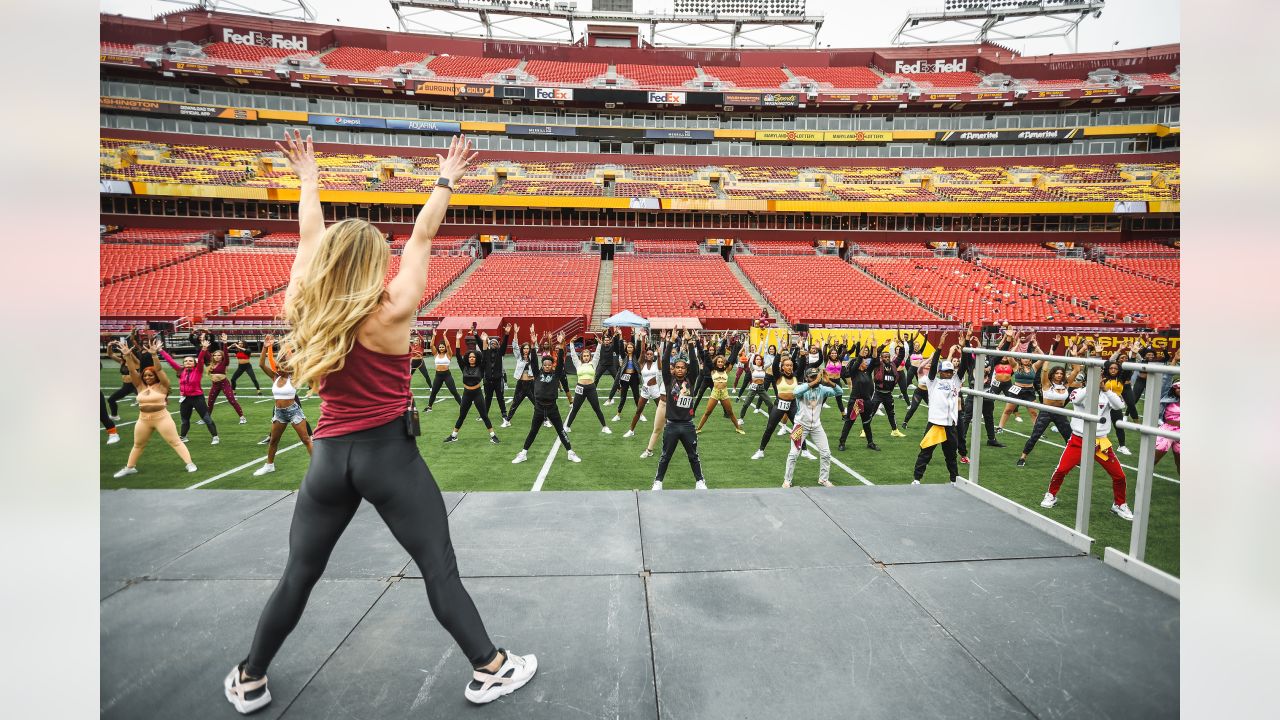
251	463
1118	455
546	465
856	476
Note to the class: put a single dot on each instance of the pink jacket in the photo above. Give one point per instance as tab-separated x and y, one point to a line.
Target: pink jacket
189	381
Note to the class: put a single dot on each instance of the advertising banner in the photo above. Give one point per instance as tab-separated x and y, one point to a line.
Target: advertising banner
251	72
1048	94
858	136
542	130
474	90
838	98
789	136
884	97
780	99
666	98
322	78
344	121
116	59
370	81
679	134
751	99
185	109
553	93
192	67
429	126
978	137
433	87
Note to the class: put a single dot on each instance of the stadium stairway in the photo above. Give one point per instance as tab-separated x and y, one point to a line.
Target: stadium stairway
457	283
897	292
604	297
758	296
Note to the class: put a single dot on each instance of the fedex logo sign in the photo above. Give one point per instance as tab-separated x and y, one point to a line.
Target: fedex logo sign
937	66
253	37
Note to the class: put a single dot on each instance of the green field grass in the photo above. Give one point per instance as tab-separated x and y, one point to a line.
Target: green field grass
611	462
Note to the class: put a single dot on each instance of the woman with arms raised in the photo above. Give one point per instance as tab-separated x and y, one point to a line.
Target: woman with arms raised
350	341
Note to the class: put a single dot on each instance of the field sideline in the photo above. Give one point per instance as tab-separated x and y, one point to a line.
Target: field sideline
611	462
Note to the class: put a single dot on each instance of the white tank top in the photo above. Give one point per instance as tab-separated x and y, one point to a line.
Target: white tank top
1055	392
285	391
442	363
757	373
649	372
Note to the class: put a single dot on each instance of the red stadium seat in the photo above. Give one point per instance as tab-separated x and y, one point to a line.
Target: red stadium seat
526	284
666	286
824	289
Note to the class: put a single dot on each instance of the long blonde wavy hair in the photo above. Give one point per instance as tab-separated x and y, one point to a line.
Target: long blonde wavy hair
339	289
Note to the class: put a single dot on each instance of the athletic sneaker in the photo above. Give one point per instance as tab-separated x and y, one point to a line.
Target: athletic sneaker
616	418
268	468
880	412
702	485
546	423
191	467
493	439
646	454
825	483
808	455
124	471
246	695
244	420
995	443
657	485
451	438
573	456
897	433
643	418
1050	500
215	441
964	459
520	457
862	433
781	430
199	421
758	454
786	484
265	441
428	409
1022	462
873	446
629	433
516	670
1123	450
1123	511
1018	418
915	482
999	430
115	418
740	431
568	429
840	447
741	422
606	431
505	423
113	438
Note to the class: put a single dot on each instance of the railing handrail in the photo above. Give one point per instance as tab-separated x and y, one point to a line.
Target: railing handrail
1152	367
1147	430
1087	362
1033	405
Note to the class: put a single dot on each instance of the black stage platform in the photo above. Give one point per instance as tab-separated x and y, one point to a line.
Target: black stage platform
854	602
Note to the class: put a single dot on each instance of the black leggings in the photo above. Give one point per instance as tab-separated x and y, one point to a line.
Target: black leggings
1117	416
421	367
473	397
920	396
988	416
775	417
1042	423
585	393
495	388
125	390
948	452
869	405
700	388
241	369
681	433
632	386
885	400
549	412
103	416
381	465
443	378
524	389
197	403
759	394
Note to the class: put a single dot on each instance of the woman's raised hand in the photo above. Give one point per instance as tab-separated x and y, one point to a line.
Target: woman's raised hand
301	155
455	164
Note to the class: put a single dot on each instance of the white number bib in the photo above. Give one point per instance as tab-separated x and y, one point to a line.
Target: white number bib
577	390
784	405
684	401
626	377
1014	390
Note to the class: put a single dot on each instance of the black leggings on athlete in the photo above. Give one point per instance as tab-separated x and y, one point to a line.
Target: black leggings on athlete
241	369
473	397
776	413
103	416
524	389
125	390
585	394
421	367
443	378
920	396
549	412
679	433
1117	416
381	465
948	453
869	405
701	386
197	403
494	388
1043	420
757	393
630	385
988	416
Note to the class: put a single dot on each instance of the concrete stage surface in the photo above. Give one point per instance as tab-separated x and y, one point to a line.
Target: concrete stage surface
852	602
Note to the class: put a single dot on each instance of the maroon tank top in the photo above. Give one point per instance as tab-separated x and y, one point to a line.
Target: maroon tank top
371	390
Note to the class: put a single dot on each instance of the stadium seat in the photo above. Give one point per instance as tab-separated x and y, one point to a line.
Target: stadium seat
469	68
368	60
550	71
666	286
658	76
765	78
827	289
527	284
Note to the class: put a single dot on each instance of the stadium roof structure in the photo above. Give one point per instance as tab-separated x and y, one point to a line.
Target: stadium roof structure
999	21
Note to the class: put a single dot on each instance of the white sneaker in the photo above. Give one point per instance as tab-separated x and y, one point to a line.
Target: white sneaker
244	420
1018	418
115	418
516	670
268	468
826	406
629	433
808	455
505	423
741	422
643	418
546	423
700	485
191	467
567	429
248	696
520	457
1123	511
646	454
199	422
215	441
786	484
1049	500
124	471
184	439
880	412
113	438
573	457
607	402
781	430
915	482
1123	450
606	430
757	455
657	485
616	418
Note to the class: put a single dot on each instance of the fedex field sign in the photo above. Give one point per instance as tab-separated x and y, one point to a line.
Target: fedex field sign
274	40
937	66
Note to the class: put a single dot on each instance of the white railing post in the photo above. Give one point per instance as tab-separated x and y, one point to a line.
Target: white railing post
975	418
1146	467
1088	447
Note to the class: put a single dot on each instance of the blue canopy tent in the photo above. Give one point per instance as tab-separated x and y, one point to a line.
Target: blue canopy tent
626	318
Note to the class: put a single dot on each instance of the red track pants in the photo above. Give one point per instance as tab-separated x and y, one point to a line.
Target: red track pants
1071	459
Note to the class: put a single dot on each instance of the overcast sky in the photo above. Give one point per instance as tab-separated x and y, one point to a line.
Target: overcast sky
848	23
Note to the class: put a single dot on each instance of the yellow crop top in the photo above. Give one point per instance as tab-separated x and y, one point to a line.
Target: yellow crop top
719	378
587	371
786	385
